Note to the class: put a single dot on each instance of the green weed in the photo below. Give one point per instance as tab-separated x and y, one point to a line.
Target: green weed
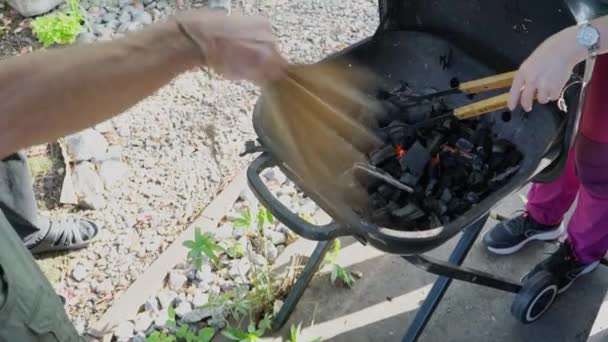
59	28
203	245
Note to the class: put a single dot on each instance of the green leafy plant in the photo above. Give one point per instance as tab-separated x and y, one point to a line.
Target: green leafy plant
203	244
171	321
252	334
244	221
234	304
337	271
203	335
160	336
264	217
295	333
235	248
262	293
60	27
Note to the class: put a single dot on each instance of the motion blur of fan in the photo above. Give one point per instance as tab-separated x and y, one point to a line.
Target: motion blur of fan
322	120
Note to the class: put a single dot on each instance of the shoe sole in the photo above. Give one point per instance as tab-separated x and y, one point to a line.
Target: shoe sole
552	235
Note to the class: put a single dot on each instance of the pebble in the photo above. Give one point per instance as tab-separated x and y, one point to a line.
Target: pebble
196	315
143	321
277	238
183	308
115	152
85	38
258	260
177	280
200	299
271	250
239	269
166	299
151	305
143	17
123	28
161	318
79	273
275	175
140	337
112	172
124	331
86	145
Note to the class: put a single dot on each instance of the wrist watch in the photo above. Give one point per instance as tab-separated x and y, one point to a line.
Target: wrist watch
588	37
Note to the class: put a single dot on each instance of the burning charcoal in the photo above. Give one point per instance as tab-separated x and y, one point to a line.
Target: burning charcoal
381	155
393	168
401	134
435	143
446	196
464	145
415	160
409	212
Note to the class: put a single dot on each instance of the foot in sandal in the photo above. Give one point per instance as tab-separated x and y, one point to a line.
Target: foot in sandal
61	234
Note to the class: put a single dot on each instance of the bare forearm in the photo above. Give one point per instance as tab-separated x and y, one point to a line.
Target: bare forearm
48	94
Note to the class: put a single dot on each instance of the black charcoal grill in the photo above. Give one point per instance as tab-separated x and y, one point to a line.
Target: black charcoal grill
428	44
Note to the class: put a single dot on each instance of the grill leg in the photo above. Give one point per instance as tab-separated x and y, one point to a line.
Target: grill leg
441	285
301	284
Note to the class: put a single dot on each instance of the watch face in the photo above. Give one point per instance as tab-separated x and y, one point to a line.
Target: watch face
588	36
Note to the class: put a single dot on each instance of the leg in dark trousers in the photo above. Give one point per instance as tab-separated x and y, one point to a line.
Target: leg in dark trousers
18	203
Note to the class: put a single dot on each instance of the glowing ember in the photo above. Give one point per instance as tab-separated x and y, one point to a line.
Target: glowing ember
400	151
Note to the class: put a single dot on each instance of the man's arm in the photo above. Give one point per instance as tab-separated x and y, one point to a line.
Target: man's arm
48	94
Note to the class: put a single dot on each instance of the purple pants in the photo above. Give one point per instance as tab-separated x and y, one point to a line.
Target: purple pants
585	175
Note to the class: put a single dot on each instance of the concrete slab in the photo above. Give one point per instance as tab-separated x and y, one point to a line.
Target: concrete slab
384	301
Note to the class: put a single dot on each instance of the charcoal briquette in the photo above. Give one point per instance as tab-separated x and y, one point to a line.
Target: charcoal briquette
446	196
381	155
409	212
415	160
464	144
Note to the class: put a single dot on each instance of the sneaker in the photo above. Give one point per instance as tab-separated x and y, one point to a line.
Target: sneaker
564	267
511	235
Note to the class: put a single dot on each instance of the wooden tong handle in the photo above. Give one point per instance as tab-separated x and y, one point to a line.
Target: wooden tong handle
488	83
482	107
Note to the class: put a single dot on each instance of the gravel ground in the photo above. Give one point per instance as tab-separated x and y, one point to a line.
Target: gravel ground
181	146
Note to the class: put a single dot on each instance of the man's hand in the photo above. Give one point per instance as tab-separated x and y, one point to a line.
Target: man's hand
545	73
236	46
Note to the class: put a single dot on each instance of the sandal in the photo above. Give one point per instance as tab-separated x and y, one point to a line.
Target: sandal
67	233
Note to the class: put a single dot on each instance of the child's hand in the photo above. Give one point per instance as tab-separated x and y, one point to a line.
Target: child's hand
545	73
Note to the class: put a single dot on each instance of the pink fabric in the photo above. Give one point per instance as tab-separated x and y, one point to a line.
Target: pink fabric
585	175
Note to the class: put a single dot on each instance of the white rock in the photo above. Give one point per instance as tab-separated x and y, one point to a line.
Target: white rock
28	8
161	318
112	172
224	232
286	200
177	280
196	315
166	299
88	186
205	274
183	308
277	238
79	273
140	337
142	322
259	260
200	299
124	331
239	269
272	251
143	17
115	152
86	145
275	175
151	305
107	125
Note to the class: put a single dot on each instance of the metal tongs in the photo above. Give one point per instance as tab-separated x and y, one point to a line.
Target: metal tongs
474	109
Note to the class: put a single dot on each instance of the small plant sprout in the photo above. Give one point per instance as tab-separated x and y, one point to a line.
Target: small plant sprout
186	334
252	334
160	336
244	221
264	217
171	321
337	271
295	332
203	245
